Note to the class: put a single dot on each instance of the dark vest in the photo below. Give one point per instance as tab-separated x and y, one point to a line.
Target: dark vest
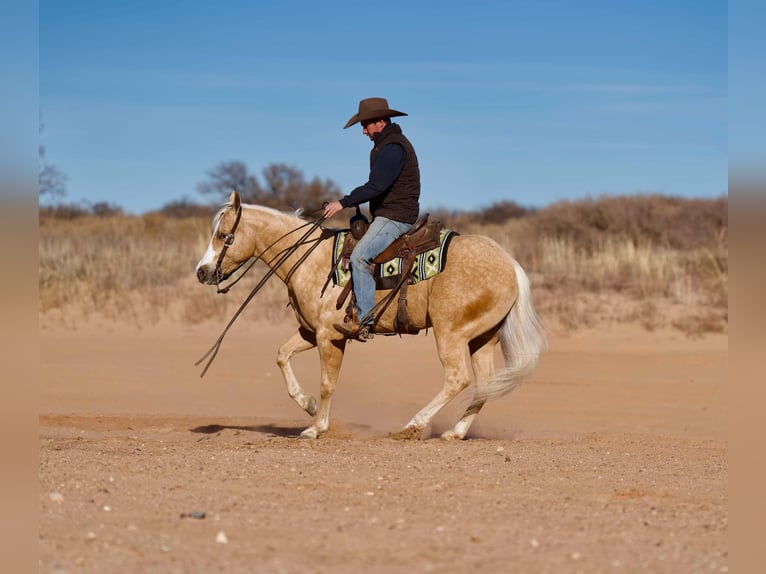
401	201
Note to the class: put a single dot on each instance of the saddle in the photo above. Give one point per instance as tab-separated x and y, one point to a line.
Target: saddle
422	237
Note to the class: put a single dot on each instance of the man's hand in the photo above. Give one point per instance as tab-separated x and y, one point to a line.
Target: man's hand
332	208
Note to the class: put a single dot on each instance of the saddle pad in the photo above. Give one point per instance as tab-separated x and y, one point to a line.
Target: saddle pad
427	264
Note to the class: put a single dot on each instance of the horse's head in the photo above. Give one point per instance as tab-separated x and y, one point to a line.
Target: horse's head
224	254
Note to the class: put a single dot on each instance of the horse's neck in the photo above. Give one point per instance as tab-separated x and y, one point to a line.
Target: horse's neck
272	233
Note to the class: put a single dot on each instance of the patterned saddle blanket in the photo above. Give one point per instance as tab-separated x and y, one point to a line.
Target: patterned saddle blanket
427	264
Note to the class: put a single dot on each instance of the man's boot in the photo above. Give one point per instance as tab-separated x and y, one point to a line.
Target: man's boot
358	332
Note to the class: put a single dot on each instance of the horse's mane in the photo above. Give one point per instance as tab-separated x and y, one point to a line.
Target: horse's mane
268	210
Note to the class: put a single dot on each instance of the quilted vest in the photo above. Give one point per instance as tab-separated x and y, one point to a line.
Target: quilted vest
401	201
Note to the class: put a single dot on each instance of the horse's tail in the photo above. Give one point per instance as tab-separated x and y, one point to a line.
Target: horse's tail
522	339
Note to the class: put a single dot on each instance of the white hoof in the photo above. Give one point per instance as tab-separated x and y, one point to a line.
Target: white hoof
311	406
451	435
310	432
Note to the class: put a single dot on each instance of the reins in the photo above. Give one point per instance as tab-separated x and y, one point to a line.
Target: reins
225	289
281	257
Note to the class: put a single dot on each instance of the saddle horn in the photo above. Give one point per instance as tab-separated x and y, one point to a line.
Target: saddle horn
358	224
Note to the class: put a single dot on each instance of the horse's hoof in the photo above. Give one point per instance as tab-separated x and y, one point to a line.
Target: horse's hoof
311	406
407	433
451	435
310	433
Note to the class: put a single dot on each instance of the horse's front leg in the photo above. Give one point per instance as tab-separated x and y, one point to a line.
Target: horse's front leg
301	340
330	359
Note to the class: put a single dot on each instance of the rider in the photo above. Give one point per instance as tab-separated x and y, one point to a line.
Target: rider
393	190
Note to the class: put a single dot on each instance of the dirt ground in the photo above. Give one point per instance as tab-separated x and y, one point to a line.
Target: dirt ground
611	457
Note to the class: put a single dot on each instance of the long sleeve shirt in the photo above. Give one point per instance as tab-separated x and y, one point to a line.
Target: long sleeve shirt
387	167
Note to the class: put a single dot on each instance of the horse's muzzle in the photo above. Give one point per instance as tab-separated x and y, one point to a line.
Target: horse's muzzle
202	275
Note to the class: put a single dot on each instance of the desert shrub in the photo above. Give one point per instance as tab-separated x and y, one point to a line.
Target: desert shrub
105	209
79	210
63	211
497	213
500	212
185	209
656	220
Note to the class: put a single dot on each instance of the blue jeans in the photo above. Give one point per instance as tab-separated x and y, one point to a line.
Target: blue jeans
380	235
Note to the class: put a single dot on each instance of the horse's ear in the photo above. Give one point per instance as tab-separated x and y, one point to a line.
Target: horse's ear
234	199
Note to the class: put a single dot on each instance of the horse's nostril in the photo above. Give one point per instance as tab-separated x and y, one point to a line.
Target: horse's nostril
201	275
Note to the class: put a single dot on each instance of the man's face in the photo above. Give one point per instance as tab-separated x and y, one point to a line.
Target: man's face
373	127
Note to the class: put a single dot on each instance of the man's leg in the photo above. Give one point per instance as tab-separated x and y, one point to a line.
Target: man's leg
380	235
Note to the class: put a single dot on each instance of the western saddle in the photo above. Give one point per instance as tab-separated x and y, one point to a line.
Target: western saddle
422	237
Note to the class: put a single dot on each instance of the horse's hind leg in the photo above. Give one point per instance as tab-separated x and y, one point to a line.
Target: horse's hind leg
483	362
452	352
301	340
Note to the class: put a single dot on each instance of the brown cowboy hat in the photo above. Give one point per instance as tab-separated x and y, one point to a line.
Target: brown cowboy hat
372	109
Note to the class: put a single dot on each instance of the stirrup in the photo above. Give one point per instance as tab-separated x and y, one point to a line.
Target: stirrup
358	332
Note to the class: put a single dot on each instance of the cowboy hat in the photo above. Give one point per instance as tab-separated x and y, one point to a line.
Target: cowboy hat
372	109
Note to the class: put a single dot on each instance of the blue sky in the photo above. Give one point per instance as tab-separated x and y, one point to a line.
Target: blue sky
525	101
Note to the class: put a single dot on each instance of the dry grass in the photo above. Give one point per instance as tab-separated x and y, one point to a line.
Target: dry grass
648	259
652	260
139	269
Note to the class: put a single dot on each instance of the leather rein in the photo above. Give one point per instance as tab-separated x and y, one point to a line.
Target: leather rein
274	264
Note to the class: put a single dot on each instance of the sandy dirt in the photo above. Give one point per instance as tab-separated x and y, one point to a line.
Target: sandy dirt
611	457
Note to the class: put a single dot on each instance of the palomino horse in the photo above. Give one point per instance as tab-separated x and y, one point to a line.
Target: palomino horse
481	297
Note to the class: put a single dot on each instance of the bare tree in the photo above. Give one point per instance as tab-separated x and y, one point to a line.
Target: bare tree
285	186
227	176
51	181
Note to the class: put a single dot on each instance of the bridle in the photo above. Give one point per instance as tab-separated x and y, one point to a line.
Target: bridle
228	240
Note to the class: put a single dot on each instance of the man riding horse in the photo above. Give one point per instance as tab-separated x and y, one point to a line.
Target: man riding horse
393	190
